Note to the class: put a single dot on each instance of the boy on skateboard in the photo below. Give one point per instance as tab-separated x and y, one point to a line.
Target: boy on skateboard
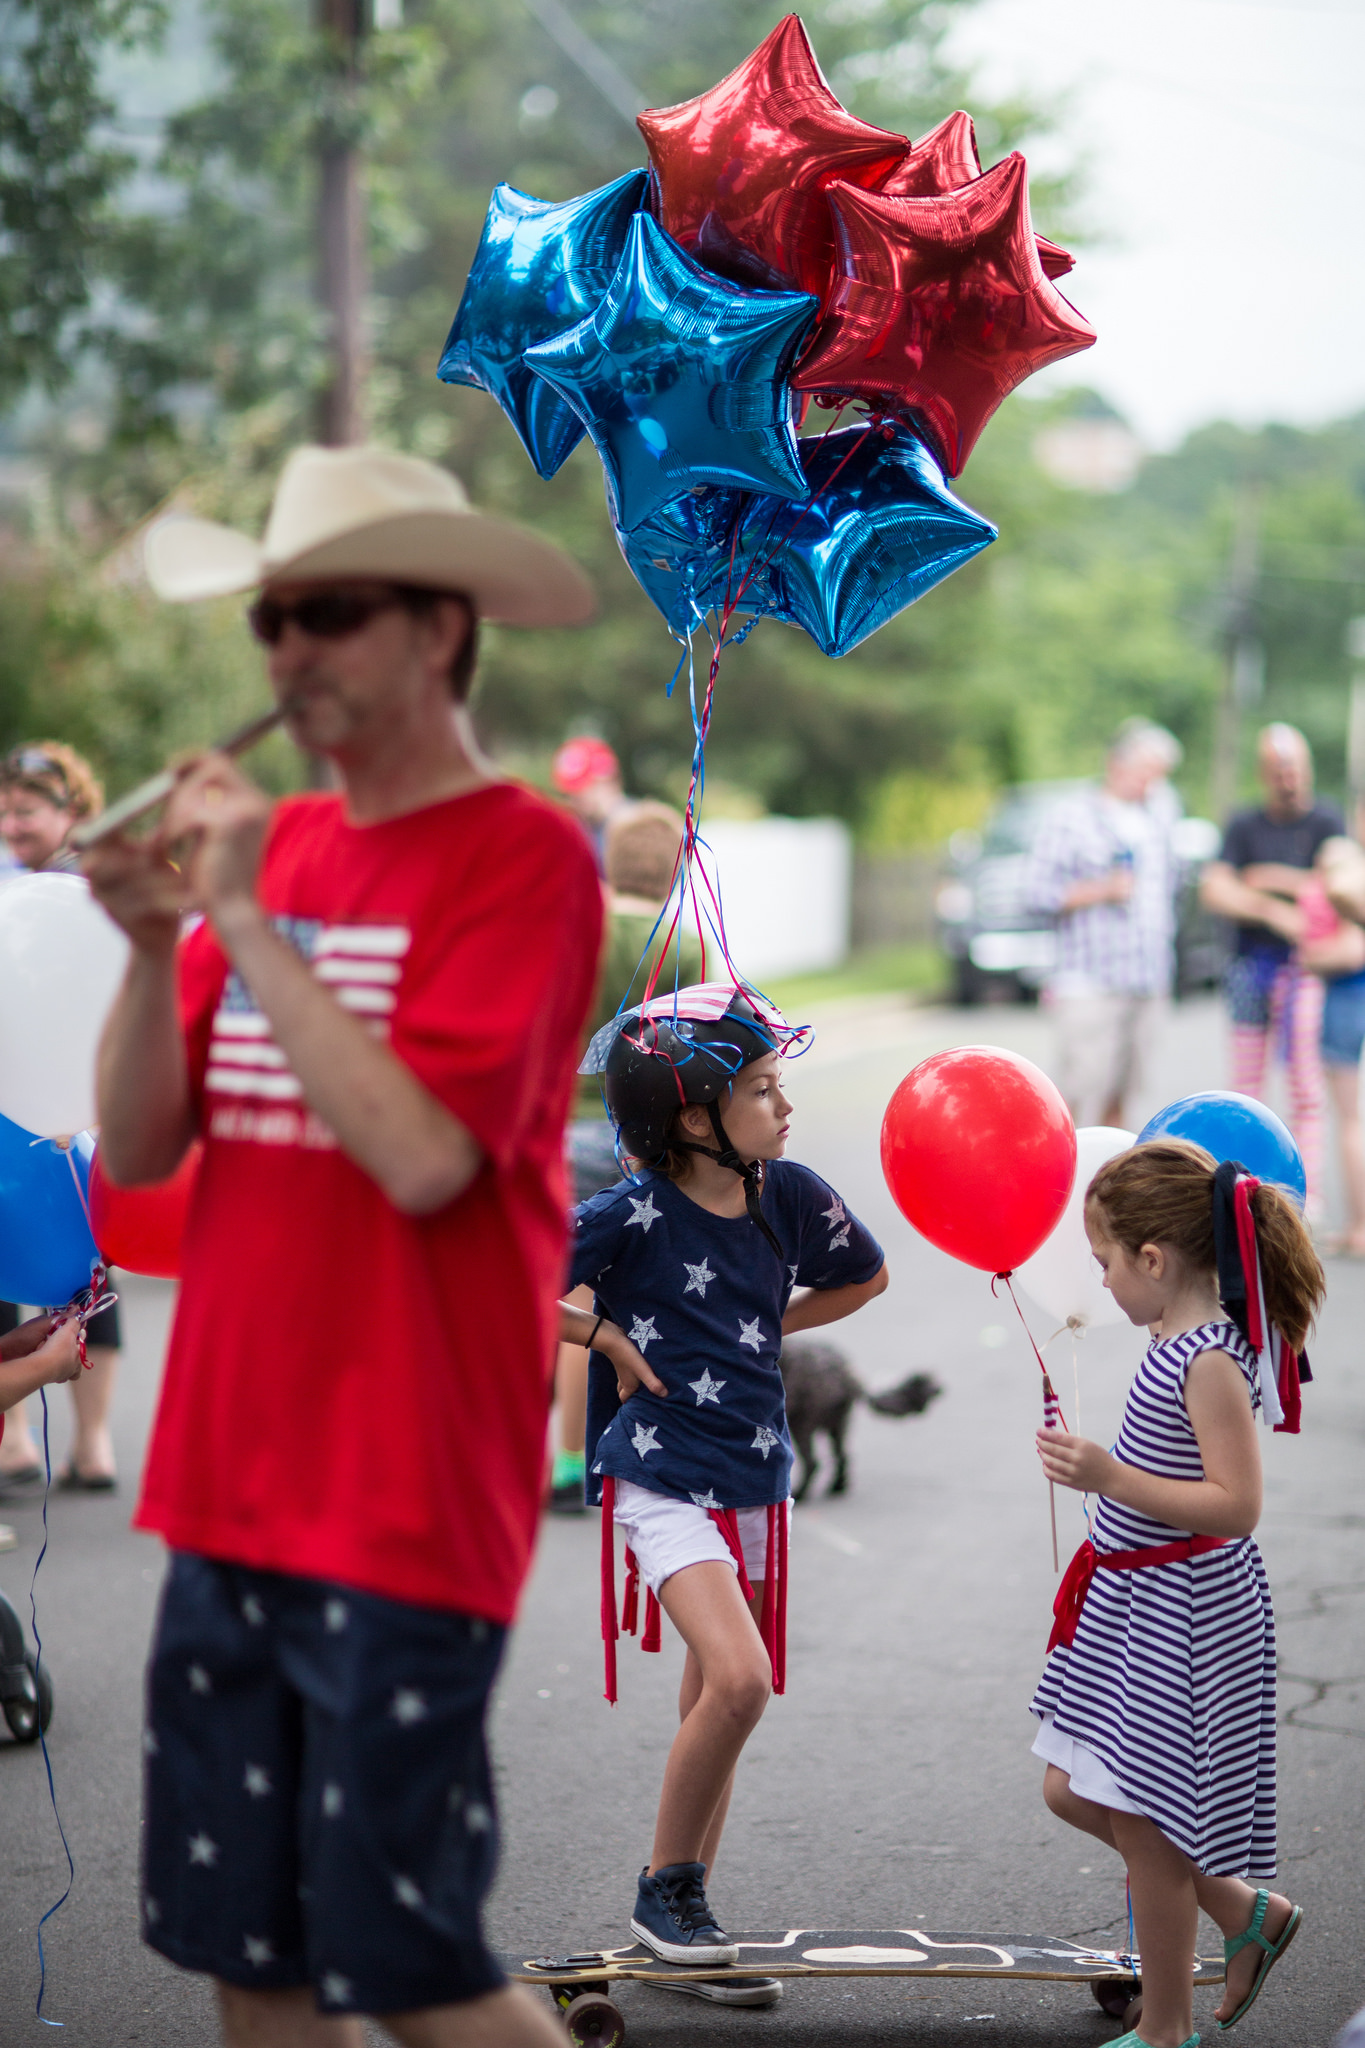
700	1266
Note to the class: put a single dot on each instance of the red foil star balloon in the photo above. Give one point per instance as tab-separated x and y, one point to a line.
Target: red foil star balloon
947	157
740	173
941	308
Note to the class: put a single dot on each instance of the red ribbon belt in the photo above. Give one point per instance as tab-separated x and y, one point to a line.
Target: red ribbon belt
1087	1561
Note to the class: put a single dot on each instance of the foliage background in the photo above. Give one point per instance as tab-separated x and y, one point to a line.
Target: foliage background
192	353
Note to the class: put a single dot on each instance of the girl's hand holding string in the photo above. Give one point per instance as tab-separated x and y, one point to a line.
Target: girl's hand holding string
1075	1462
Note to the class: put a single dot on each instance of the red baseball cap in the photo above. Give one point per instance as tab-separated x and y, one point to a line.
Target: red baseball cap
581	762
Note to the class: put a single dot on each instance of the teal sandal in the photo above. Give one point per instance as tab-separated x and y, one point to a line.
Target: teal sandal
1273	1951
1135	2040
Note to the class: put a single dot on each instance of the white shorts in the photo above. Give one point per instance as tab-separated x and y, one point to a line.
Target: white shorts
667	1534
1090	1778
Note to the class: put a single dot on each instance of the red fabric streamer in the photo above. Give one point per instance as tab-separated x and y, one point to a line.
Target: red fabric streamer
630	1599
653	1637
609	1628
1087	1561
1291	1399
1257	1334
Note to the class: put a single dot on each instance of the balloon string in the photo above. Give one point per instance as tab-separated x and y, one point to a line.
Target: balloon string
1008	1280
1051	1405
42	1736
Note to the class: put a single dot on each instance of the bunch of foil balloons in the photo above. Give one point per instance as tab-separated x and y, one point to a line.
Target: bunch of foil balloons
776	251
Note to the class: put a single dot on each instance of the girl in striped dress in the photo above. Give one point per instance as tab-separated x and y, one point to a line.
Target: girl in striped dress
1157	1702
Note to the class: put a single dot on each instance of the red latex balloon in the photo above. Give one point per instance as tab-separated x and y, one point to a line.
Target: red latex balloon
740	172
944	159
140	1229
941	308
979	1150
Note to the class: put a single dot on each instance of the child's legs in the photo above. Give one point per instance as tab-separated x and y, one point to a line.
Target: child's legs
1296	1002
1250	1044
1166	1921
688	1694
726	1682
1344	1084
1075	1811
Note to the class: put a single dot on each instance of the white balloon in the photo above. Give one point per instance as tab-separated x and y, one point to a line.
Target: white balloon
61	961
1062	1275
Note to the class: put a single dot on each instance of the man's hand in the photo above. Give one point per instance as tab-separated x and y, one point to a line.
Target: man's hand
140	890
215	822
1074	1461
1114	886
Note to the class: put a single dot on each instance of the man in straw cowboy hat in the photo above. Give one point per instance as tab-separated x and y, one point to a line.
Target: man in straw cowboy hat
374	1031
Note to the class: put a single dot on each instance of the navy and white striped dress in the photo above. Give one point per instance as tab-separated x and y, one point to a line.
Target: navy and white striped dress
1170	1682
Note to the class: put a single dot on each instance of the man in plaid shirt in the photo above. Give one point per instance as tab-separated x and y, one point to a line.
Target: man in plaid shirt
1102	866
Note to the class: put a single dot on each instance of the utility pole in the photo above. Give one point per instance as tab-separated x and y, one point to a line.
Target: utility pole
343	270
1244	663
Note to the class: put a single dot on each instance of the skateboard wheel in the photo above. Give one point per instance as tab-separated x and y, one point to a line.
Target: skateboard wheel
1114	1995
592	2021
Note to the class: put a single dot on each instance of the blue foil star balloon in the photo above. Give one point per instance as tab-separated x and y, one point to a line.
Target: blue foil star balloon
681	379
540	267
880	528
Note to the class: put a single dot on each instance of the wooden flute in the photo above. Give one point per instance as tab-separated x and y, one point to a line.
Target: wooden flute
157	788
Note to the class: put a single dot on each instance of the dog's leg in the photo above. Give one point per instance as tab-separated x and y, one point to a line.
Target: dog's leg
838	1427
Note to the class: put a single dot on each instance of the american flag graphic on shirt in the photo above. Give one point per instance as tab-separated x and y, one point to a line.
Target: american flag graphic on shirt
259	1097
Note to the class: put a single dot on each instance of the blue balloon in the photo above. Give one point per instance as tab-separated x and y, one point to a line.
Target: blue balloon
46	1249
880	528
1235	1127
539	268
681	379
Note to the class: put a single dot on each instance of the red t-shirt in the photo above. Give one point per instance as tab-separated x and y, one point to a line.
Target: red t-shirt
352	1393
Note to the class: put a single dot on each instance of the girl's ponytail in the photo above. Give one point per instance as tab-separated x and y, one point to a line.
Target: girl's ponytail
1292	1272
1164	1192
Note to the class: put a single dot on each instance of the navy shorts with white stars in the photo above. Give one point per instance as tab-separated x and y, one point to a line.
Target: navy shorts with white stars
318	1803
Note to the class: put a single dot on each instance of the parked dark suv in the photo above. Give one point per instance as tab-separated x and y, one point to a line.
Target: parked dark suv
999	950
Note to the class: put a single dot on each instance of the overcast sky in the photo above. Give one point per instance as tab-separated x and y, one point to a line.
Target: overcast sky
1226	151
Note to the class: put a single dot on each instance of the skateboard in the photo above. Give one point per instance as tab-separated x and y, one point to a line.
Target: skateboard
581	1984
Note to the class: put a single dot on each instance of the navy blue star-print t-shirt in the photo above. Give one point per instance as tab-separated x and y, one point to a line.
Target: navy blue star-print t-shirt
702	1297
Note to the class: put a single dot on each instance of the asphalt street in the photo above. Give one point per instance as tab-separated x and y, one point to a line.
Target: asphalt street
892	1786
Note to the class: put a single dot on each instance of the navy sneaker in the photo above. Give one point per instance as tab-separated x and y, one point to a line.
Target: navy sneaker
672	1917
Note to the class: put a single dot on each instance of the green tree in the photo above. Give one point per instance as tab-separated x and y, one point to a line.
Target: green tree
58	175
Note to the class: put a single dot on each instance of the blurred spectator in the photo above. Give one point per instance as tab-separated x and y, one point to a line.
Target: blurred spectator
1274	1003
46	788
641	850
587	772
1332	944
1102	867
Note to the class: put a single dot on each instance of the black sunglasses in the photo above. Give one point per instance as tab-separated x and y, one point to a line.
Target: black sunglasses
325	614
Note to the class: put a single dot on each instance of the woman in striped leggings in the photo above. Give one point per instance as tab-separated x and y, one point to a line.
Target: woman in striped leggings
1157	1702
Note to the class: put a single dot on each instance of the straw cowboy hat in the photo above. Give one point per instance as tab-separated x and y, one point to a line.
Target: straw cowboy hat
370	512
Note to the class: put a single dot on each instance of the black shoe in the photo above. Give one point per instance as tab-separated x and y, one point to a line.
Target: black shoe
730	1991
672	1917
568	1499
25	1482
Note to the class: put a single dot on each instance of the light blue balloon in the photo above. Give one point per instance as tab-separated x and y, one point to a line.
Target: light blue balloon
46	1249
1237	1127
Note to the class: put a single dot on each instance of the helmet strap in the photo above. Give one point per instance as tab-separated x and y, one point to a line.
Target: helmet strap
749	1171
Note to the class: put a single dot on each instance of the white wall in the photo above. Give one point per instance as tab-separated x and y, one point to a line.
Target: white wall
786	885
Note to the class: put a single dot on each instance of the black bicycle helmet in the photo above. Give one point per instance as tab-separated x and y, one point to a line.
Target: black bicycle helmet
686	1047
